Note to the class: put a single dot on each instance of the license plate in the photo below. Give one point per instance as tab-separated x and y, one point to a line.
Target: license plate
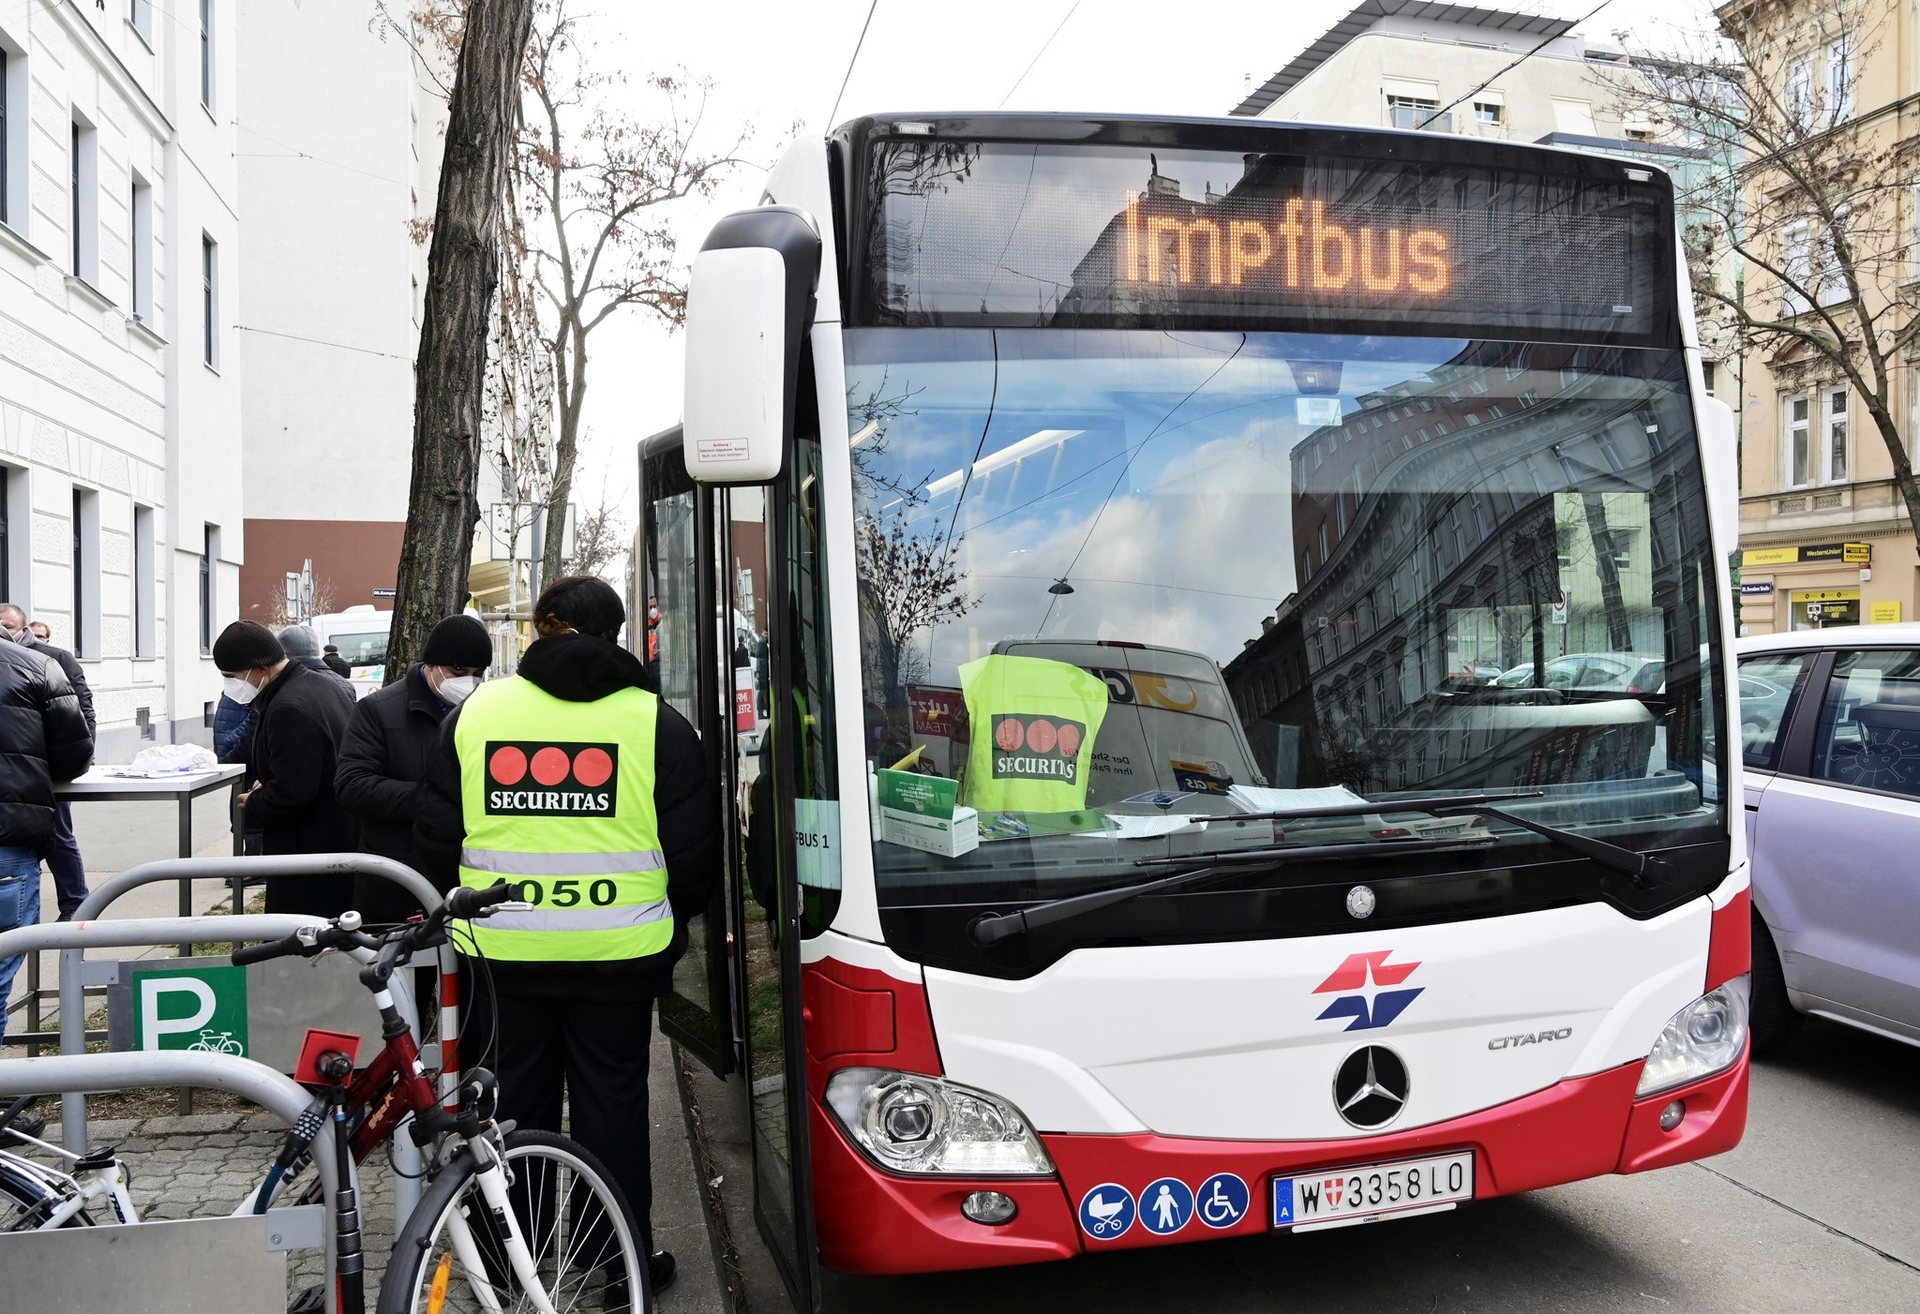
1370	1192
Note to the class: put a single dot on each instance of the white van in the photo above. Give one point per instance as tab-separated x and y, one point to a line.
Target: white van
360	633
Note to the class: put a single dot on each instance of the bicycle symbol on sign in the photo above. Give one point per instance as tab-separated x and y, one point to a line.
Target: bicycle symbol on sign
217	1042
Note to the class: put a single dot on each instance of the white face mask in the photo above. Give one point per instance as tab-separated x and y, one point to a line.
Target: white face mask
241	691
454	689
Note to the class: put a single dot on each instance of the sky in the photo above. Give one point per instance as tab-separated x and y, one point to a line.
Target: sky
1116	56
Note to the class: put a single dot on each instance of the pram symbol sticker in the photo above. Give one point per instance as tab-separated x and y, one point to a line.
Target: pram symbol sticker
1106	1211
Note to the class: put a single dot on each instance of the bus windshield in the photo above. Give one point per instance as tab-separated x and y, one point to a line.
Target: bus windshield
1118	581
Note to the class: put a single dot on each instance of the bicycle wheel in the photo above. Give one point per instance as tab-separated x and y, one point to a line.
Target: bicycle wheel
452	1257
27	1196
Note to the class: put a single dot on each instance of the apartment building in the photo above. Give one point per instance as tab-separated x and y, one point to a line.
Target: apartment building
120	519
1825	536
1493	73
340	136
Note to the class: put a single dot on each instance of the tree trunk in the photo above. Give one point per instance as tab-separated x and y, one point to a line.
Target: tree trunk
574	361
450	371
1619	633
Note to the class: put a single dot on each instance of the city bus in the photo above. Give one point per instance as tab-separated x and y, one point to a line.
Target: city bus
1161	823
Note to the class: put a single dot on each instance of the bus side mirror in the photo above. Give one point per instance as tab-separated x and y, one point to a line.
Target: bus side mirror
749	305
1720	462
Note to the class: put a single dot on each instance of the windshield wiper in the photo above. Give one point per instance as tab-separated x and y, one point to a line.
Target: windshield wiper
991	928
1642	868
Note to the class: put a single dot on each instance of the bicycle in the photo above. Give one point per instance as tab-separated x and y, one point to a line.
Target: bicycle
511	1220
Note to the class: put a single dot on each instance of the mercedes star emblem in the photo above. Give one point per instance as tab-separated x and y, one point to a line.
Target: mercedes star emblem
1361	902
1371	1086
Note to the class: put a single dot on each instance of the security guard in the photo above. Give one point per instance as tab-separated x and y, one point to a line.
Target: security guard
575	779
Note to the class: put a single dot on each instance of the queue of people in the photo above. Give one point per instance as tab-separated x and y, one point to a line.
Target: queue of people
571	775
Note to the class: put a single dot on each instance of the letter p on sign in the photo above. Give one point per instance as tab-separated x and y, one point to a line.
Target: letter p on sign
201	1009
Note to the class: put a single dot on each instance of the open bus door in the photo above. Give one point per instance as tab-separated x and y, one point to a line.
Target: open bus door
736	999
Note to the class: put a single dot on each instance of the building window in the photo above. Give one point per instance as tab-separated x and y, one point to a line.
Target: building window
1799	447
86	572
1416	112
1840	80
1835	447
1306	565
1489	113
145	632
206	53
1798	266
209	553
140	259
1799	90
1709	375
1323	542
84	214
12	72
140	14
210	298
1573	116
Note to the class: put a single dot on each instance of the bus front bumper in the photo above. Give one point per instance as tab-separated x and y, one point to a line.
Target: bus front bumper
870	1221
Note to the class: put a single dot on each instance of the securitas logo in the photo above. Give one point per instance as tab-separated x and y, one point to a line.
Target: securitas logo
1037	748
1359	972
551	780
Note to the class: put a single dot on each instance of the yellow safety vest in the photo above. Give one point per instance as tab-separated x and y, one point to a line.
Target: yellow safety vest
1033	723
558	796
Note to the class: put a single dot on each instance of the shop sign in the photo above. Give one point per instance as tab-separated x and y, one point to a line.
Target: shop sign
1883	613
1851	553
1757	589
1826	595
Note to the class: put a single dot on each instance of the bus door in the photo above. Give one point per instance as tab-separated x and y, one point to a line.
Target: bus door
710	557
672	628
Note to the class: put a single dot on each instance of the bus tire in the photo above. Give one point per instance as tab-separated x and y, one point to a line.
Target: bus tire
1774	1018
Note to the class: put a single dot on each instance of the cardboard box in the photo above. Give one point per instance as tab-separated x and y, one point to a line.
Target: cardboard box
924	812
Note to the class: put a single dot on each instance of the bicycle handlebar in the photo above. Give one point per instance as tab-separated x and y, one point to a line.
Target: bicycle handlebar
396	944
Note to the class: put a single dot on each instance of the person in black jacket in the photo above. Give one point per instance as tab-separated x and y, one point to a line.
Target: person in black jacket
567	1026
300	646
44	739
385	753
335	662
299	718
63	858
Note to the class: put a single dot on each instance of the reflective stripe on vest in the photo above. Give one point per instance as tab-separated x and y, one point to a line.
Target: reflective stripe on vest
558	796
1033	721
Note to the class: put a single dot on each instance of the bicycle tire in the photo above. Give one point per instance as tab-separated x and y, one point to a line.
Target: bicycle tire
427	1236
22	1192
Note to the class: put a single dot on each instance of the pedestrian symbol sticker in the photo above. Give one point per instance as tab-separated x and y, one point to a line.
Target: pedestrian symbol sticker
1166	1206
1106	1211
1223	1200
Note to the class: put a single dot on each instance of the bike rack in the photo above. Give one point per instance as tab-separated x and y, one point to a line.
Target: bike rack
255	1082
77	937
238	870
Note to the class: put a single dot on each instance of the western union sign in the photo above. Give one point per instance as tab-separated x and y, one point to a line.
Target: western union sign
1849	553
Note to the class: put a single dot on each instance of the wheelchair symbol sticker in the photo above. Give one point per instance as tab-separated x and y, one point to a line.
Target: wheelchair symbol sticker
1222	1200
1106	1211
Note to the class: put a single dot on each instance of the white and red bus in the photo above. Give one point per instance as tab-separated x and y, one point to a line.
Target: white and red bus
1237	740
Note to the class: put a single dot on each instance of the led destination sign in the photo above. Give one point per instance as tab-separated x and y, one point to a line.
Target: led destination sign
1536	244
1298	245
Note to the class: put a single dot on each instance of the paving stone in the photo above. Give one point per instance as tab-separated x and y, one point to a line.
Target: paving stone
191	1124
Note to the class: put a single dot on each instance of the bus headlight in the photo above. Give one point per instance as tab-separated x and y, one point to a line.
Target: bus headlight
1703	1038
909	1123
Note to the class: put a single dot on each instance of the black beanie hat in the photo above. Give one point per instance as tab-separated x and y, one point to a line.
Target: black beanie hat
246	644
458	641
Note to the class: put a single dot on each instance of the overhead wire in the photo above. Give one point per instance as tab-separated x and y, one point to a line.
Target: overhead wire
1036	54
1500	73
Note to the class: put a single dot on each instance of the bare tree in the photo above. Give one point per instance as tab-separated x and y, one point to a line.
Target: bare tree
450	371
1815	208
593	179
908	583
599	538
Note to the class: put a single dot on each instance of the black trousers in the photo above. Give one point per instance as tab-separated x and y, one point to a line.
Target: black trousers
594	1052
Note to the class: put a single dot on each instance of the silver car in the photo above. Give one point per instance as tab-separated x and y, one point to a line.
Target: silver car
1830	735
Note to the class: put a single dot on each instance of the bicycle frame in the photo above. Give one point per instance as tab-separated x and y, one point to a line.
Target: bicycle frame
81	1188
